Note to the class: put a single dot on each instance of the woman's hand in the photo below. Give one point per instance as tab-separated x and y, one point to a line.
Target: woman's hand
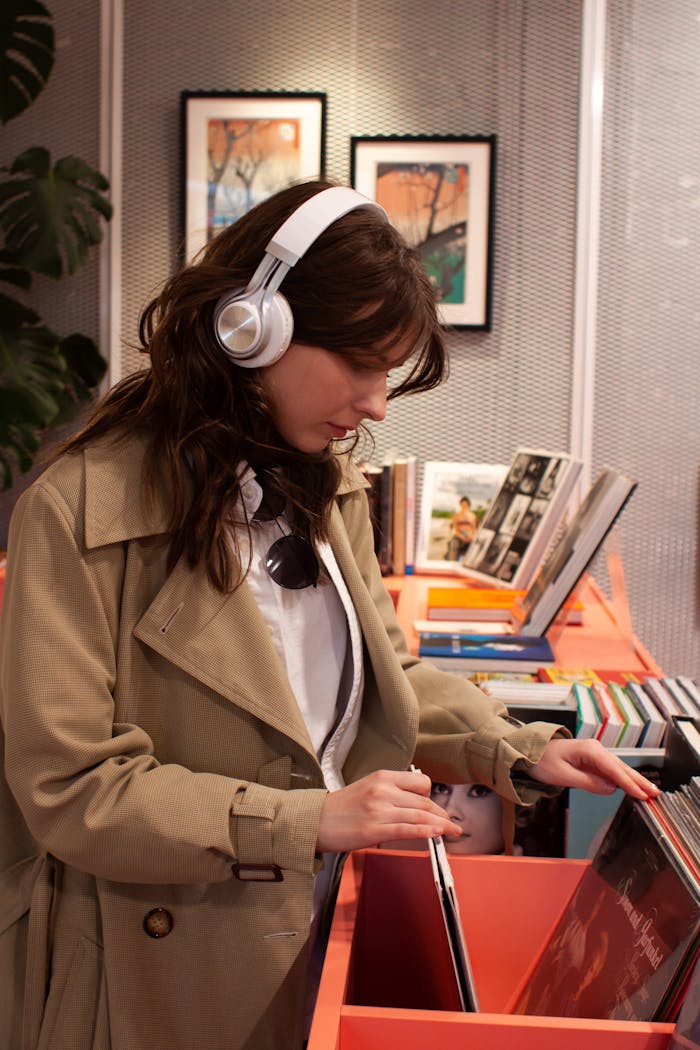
589	765
382	807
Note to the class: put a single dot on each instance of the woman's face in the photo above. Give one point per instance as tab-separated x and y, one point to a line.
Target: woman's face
477	811
317	396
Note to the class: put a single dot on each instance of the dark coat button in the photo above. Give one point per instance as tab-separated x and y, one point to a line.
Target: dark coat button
158	922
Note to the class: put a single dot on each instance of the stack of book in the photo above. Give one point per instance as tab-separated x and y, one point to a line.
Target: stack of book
481	605
633	714
392	499
622	714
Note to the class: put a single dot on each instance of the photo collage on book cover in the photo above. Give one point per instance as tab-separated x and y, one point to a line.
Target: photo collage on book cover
514	515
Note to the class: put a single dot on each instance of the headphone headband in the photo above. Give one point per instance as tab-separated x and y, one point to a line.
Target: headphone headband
254	325
298	233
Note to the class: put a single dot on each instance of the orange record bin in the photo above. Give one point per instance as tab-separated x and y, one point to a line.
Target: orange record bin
386	981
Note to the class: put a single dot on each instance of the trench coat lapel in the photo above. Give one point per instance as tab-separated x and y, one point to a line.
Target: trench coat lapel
223	641
219	639
391	687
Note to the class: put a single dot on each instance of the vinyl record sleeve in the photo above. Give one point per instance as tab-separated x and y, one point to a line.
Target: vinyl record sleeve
625	937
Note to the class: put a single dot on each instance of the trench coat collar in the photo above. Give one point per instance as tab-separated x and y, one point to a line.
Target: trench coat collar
115	506
188	622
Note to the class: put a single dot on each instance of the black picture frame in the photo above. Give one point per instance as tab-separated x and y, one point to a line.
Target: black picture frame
438	191
239	147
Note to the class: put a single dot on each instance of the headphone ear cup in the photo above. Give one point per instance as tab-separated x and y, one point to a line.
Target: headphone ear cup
276	335
247	338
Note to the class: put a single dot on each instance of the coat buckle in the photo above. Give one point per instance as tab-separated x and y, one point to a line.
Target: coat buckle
258	872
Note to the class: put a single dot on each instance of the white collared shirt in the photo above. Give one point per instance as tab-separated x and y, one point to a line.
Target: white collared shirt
317	636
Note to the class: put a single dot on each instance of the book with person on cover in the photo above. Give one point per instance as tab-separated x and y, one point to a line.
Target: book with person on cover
459	652
524	517
455	498
625	941
572	553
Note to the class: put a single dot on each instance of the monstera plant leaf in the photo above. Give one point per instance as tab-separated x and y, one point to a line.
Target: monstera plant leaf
26	54
43	382
51	216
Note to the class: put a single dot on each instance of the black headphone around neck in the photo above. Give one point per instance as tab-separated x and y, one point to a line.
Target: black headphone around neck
254	325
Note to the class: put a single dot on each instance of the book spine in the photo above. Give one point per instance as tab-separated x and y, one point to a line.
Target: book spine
661	697
398	519
612	723
386	525
411	468
680	696
689	686
656	723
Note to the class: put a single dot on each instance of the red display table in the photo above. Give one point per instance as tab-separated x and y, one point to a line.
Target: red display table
600	642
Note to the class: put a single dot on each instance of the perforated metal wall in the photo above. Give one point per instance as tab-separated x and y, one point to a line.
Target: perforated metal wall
394	68
508	67
647	388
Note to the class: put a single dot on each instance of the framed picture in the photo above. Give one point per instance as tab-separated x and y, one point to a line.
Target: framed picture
455	499
239	148
439	193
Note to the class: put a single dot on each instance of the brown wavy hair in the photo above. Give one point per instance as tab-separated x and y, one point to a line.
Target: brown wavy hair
358	290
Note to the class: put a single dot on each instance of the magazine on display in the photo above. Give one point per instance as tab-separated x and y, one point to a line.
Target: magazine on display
625	943
523	520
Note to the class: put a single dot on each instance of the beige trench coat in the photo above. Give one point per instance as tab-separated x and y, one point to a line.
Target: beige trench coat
154	751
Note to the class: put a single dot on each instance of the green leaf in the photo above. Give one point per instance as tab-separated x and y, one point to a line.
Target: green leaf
14	313
51	217
26	54
83	358
15	275
43	382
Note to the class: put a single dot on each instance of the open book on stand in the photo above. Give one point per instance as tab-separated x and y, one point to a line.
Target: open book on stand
572	553
523	519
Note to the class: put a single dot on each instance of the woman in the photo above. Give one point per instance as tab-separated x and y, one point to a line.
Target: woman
205	693
476	810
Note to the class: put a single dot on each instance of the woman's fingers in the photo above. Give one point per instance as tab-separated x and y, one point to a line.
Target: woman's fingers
587	764
384	805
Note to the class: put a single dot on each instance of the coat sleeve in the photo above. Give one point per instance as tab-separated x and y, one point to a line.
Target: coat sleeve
463	735
90	789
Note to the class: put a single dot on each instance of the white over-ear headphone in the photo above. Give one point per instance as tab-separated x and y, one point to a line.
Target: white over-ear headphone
254	325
